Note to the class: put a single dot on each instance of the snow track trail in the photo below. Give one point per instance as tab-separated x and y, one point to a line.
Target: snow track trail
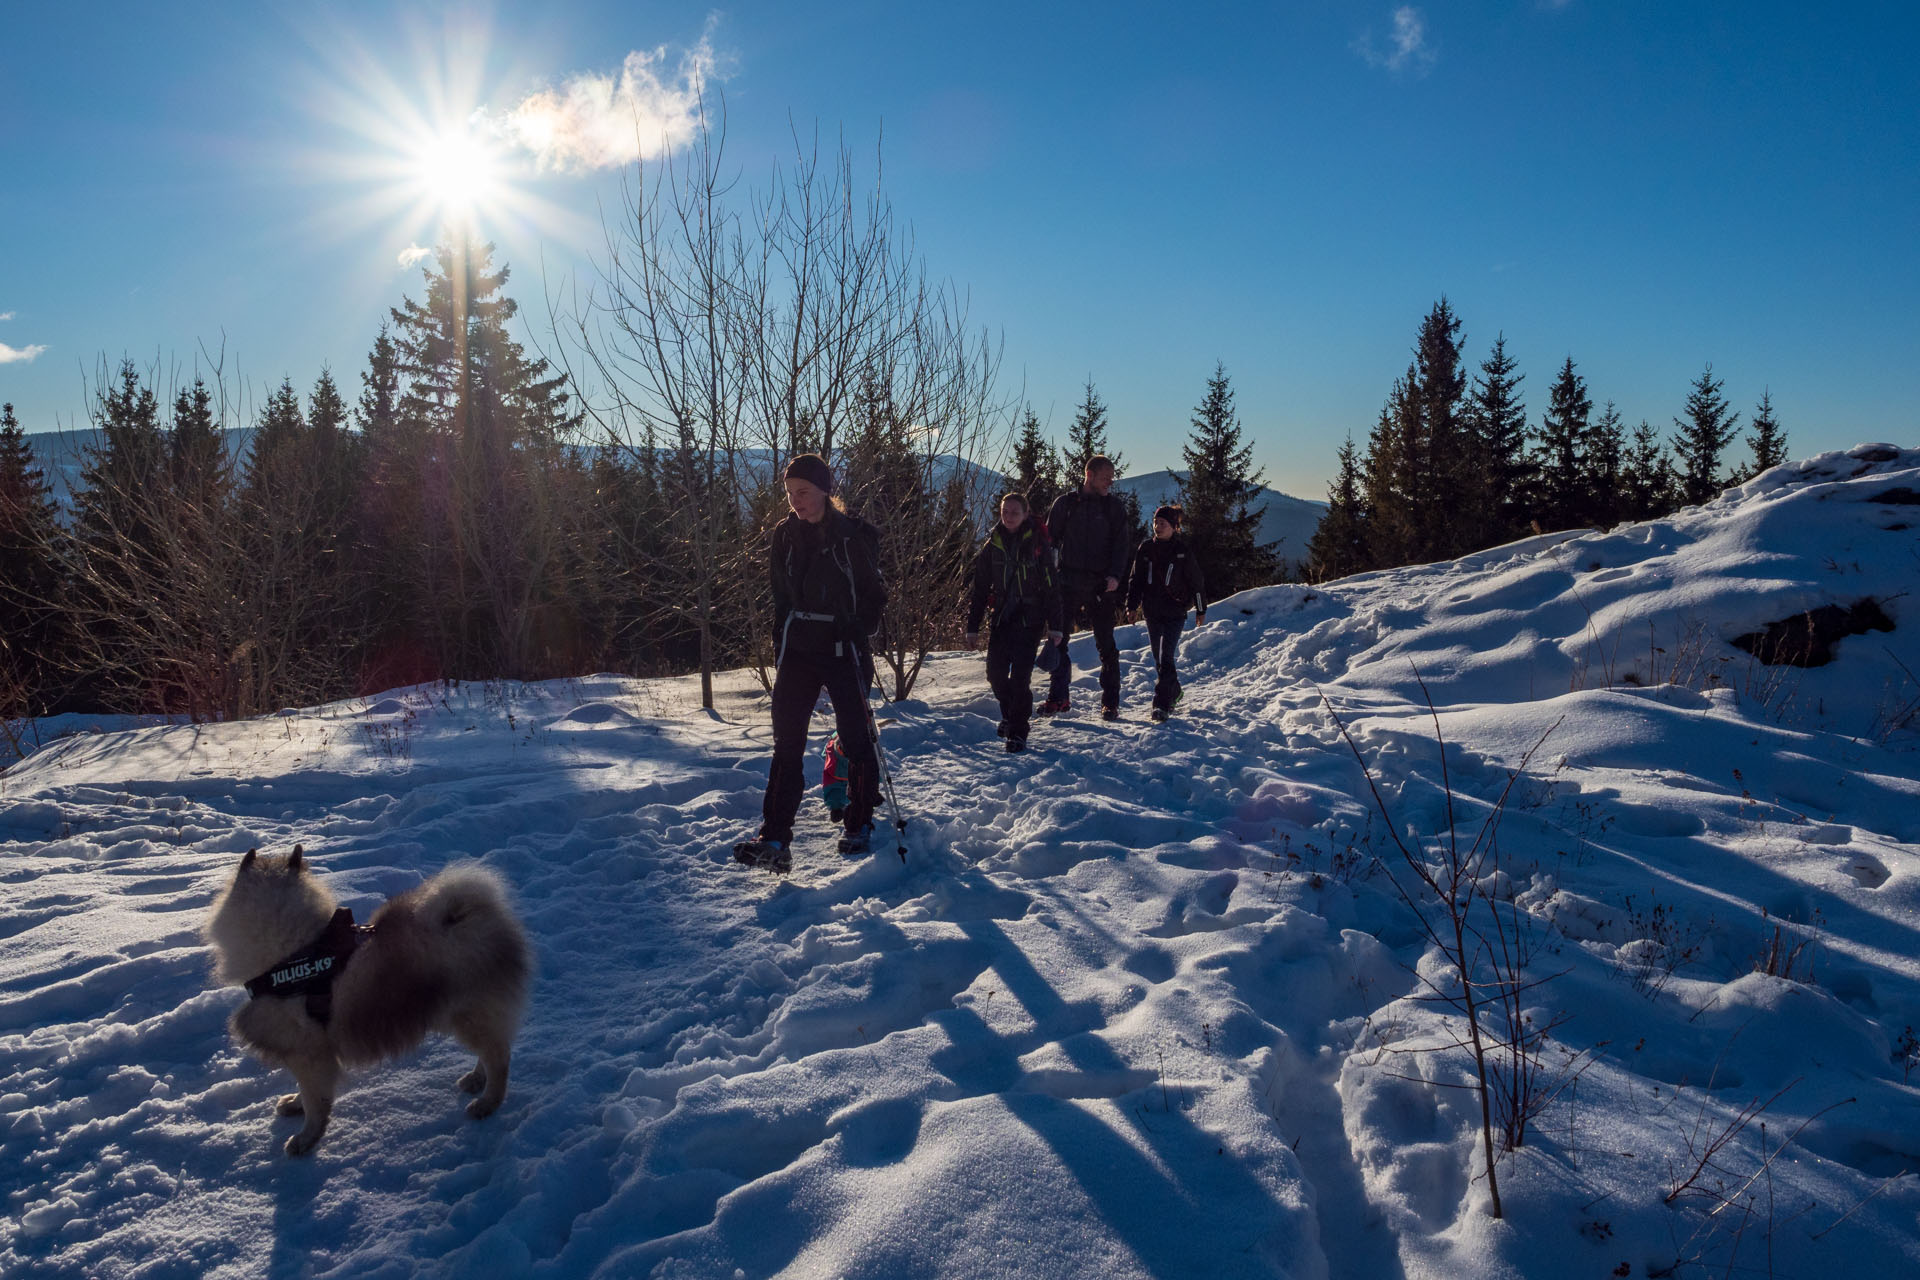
1142	1002
719	1070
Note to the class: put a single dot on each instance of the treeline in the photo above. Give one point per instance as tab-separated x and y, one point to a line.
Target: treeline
440	525
1453	464
470	516
458	520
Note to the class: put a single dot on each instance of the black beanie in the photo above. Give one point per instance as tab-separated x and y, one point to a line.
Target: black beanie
812	468
1170	514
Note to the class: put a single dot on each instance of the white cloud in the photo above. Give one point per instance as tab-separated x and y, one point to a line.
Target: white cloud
18	355
412	254
1407	49
6	315
596	121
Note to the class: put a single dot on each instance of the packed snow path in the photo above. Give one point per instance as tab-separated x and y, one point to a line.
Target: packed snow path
1139	1003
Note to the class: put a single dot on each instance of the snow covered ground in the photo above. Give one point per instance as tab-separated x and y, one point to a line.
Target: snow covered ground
1145	1002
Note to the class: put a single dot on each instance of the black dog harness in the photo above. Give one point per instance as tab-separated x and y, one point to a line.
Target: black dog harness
310	971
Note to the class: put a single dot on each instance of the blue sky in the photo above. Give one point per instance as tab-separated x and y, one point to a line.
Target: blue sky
1128	191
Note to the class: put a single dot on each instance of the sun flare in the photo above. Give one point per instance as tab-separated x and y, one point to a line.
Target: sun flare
458	172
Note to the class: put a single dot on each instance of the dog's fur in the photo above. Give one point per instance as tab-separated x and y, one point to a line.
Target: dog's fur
447	955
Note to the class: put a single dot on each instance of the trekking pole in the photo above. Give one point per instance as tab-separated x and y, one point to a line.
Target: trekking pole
886	774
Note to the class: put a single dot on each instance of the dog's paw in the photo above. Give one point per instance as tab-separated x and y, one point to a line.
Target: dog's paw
474	1081
481	1108
289	1105
300	1144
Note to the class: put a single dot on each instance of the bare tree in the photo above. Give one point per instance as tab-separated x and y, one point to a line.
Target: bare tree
725	342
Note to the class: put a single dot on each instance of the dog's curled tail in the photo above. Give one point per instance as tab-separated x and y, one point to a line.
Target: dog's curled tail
460	891
467	904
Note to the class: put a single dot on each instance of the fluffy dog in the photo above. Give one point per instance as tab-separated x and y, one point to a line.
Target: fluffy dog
447	955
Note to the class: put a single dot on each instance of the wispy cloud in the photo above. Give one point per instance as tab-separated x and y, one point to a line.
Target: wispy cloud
599	121
6	315
411	255
1407	47
18	355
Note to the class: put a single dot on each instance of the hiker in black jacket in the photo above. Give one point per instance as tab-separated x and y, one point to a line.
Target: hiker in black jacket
1014	573
1090	539
827	601
1166	582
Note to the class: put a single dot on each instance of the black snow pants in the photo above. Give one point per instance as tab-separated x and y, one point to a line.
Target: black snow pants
796	687
1010	652
1097	607
1163	637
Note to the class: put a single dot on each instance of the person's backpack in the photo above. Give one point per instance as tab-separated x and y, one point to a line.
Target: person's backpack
833	779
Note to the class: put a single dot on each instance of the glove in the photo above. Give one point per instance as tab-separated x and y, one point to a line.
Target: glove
1055	637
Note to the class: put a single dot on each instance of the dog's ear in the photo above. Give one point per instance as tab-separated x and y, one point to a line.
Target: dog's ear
248	861
293	862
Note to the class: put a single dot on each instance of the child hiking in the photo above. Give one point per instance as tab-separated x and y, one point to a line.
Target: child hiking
827	602
1014	573
1166	580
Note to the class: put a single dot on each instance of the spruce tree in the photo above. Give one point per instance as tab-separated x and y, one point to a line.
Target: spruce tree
1447	465
30	577
1220	484
379	406
1647	484
196	449
117	474
492	421
1388	480
1499	421
1559	450
1086	437
1033	469
1603	468
1767	440
1339	543
1702	437
281	432
119	541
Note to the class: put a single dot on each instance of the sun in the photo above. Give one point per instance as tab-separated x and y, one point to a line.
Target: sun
414	148
457	172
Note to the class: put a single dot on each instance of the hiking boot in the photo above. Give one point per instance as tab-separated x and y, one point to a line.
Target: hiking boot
1002	730
1054	706
1016	745
1109	713
857	841
1160	715
765	855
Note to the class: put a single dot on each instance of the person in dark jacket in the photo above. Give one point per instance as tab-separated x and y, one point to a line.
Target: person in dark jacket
827	602
1166	582
1014	574
1090	539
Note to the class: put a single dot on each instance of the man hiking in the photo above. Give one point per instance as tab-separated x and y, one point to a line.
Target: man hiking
1091	538
827	601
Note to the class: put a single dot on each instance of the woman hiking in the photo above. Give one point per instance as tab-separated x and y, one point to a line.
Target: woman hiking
827	601
1166	580
1013	573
